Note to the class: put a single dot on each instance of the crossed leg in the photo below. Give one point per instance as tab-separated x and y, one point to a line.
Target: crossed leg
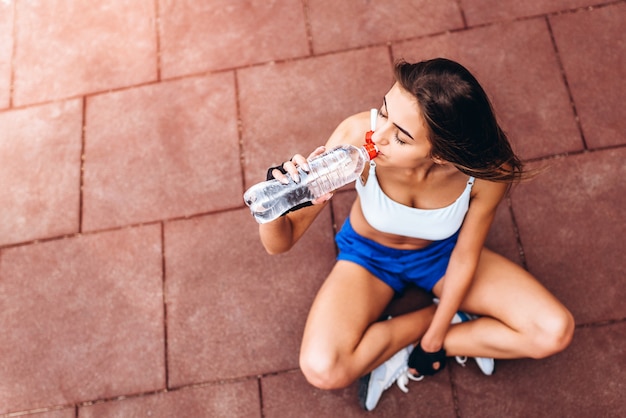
520	317
342	339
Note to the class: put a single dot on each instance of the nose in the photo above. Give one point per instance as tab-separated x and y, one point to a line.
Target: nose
381	134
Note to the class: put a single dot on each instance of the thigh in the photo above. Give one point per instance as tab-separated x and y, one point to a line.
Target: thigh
503	290
348	302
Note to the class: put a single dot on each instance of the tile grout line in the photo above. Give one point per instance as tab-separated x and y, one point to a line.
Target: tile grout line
81	182
164	296
516	232
242	156
566	82
261	406
601	323
307	27
455	394
462	12
13	53
157	35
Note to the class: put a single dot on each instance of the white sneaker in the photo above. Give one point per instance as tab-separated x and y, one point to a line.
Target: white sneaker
381	378
485	364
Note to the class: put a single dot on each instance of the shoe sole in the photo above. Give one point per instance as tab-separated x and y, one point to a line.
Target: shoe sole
362	391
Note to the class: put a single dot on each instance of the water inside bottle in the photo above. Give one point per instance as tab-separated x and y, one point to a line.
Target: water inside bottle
269	200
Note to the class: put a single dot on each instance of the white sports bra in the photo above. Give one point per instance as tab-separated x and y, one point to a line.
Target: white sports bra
391	217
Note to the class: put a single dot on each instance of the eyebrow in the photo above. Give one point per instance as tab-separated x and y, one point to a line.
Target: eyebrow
404	131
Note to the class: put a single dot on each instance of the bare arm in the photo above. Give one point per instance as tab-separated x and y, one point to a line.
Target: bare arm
282	234
464	260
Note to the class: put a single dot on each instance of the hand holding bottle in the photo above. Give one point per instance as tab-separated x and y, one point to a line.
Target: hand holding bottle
304	181
300	162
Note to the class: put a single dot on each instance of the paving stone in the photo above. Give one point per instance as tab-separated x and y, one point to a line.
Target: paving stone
502	237
579	382
293	107
233	310
227	400
516	65
161	151
6	51
40	171
593	53
289	395
85	316
482	11
67	48
572	227
202	36
339	25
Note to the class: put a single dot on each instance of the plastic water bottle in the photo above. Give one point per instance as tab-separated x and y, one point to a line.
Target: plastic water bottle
327	172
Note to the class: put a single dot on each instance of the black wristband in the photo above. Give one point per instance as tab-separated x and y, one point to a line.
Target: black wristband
423	362
270	176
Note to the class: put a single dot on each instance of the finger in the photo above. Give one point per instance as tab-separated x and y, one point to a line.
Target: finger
318	151
322	199
290	167
301	162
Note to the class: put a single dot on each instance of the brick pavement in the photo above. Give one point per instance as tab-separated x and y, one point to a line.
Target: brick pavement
132	282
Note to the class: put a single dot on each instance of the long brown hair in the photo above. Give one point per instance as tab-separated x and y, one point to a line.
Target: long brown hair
463	129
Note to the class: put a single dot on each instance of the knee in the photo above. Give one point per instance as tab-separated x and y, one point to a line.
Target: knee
324	371
553	334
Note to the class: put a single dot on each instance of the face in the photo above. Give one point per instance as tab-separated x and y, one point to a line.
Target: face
401	134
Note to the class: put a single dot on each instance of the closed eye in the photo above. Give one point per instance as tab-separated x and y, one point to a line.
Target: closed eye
398	140
395	135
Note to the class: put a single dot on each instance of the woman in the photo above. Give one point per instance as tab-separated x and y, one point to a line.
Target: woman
421	217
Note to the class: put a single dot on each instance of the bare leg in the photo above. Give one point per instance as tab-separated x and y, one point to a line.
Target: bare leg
342	340
520	318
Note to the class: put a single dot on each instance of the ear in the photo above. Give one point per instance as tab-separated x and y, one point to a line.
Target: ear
438	160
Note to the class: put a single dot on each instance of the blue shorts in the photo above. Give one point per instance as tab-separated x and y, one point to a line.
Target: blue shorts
397	268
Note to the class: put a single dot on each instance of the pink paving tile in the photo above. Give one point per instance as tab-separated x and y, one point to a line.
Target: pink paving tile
40	171
571	223
295	106
67	48
233	310
516	64
579	382
201	36
289	395
502	236
592	49
161	151
86	319
6	51
226	400
482	11
338	25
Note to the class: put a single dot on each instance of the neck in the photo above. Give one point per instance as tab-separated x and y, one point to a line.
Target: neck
422	170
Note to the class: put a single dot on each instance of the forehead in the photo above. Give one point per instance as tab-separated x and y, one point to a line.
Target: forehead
403	109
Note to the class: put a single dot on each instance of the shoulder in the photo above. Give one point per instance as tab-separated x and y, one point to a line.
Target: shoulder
351	130
487	194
